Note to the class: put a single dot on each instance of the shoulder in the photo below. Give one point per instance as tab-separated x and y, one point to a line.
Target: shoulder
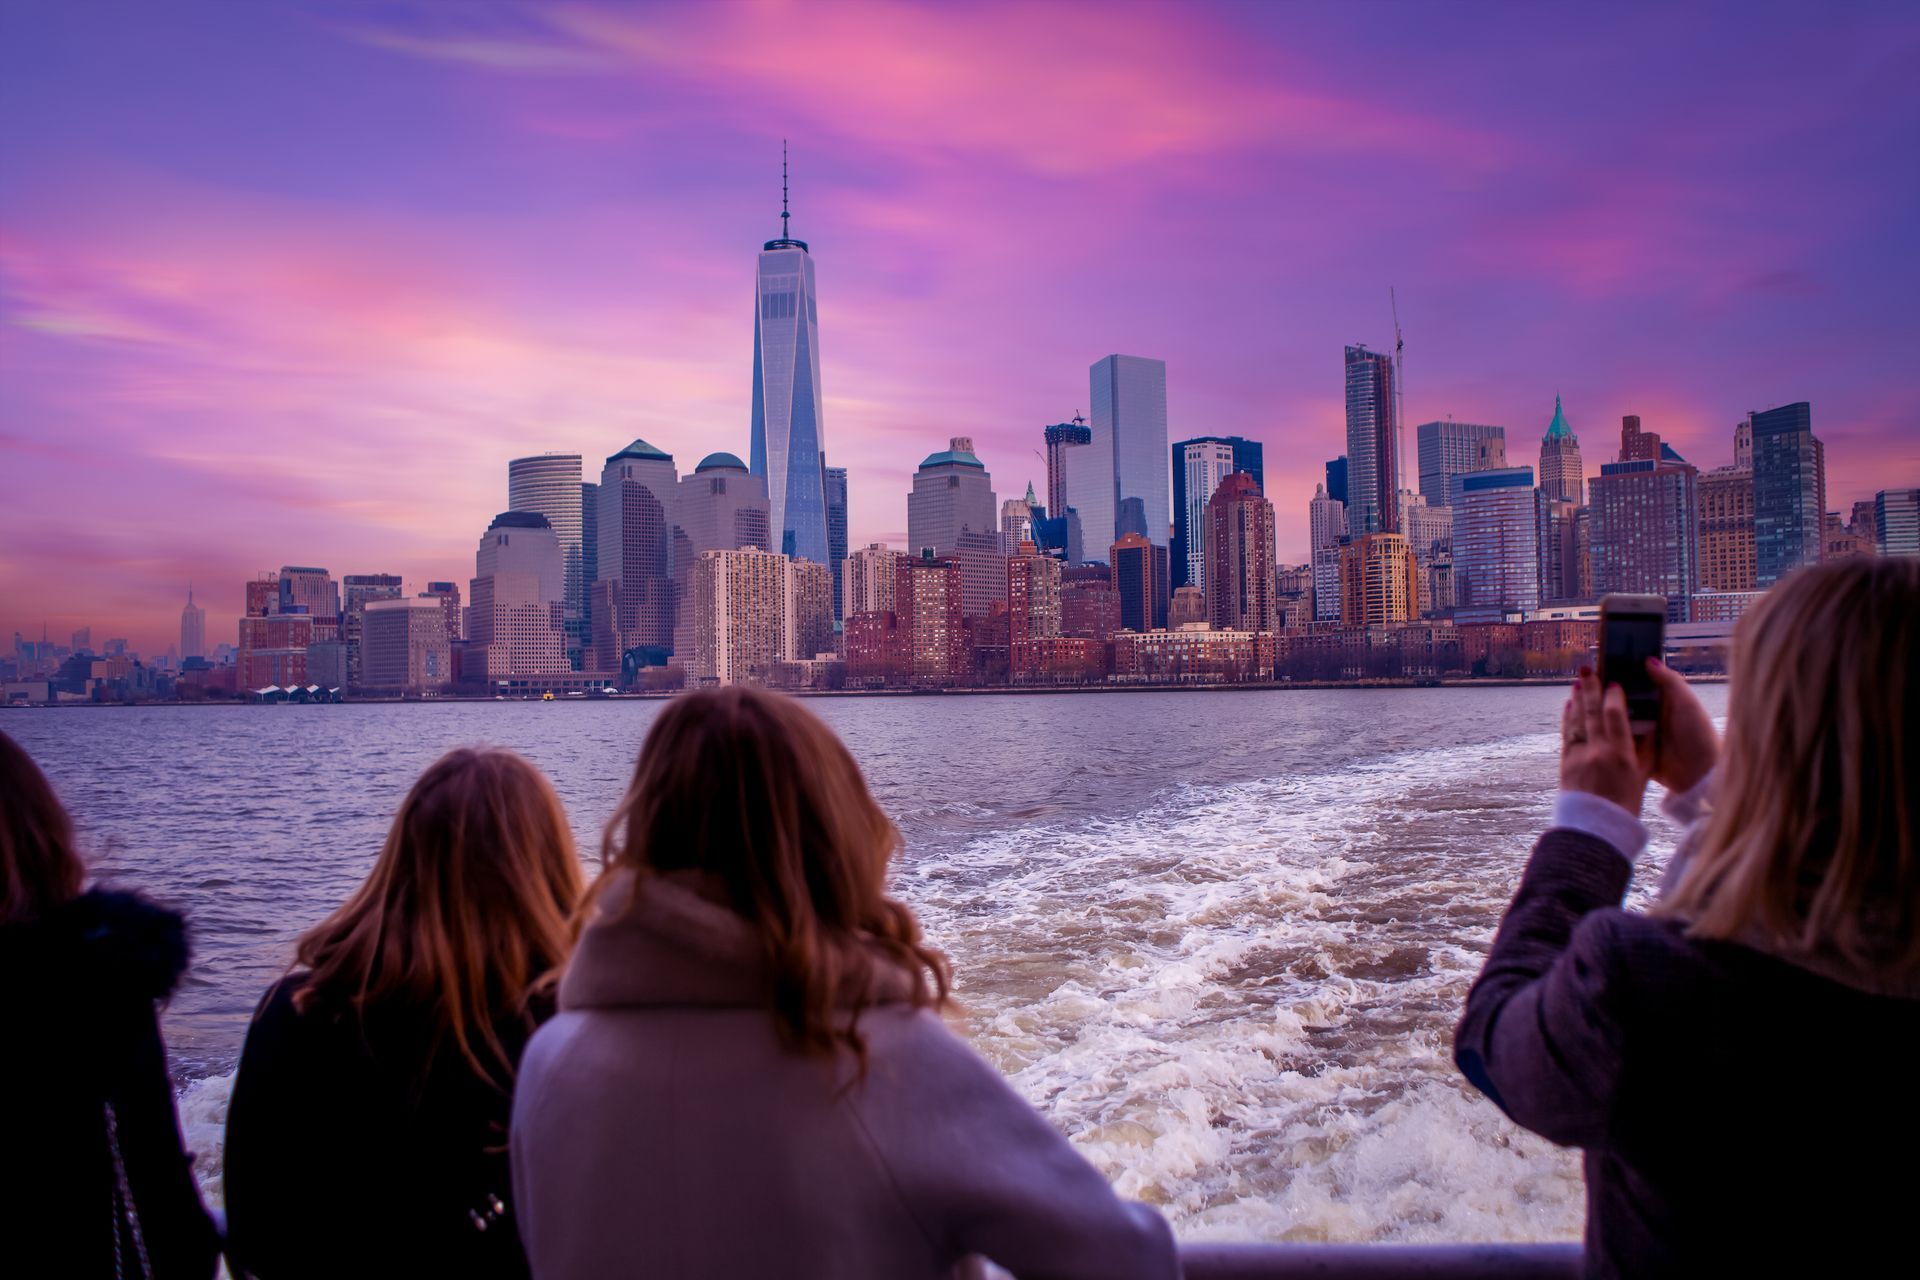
1628	948
116	944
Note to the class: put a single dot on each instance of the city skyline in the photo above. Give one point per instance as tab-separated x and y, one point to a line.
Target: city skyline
330	363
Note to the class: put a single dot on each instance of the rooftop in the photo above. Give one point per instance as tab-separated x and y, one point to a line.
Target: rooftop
519	520
641	449
720	462
1558	428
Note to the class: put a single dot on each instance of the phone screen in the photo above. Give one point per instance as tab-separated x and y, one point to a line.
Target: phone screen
1627	640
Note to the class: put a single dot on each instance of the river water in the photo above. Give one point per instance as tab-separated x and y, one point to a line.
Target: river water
1219	939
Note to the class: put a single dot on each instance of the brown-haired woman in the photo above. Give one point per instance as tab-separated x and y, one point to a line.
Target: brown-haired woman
1738	1063
94	1180
748	1077
367	1131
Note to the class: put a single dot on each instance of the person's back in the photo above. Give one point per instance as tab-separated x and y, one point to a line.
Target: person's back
1735	1063
93	1167
367	1130
706	1104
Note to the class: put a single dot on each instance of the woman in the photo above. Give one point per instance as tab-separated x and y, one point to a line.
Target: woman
94	1180
367	1131
748	1077
1738	1064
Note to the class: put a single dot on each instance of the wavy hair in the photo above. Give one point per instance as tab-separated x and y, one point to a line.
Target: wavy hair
465	916
39	868
753	790
1810	848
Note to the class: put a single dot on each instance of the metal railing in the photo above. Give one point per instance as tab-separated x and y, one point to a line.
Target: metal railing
1381	1262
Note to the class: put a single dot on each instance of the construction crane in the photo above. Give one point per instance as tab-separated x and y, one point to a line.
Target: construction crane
1399	395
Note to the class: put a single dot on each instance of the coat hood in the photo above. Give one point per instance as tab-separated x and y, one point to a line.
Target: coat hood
658	941
103	941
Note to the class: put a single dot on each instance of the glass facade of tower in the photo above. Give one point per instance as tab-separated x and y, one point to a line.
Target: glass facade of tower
1446	450
549	484
837	535
1789	498
1373	444
1199	465
1496	544
788	425
1128	456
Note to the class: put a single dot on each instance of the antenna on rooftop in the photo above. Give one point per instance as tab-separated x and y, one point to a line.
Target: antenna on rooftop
784	215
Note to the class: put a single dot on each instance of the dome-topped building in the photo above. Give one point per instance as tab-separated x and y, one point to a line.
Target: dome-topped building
1562	477
720	462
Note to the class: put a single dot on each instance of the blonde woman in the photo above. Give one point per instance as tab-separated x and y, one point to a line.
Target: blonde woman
368	1128
1738	1064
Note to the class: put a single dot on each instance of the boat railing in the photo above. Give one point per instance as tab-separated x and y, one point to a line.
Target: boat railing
1381	1262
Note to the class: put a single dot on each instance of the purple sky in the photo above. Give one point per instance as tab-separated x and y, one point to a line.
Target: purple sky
288	283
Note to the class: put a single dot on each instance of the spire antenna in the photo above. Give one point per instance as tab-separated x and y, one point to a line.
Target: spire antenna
784	215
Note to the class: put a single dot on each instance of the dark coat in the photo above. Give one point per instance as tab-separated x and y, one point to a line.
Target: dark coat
78	988
349	1154
1740	1115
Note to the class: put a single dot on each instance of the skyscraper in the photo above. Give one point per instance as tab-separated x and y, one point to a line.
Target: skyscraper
837	534
1337	479
305	587
1646	523
360	589
1448	449
447	596
1199	465
1327	525
549	483
518	593
637	490
789	429
1016	522
193	630
1373	444
1726	529
1239	582
926	594
720	507
1062	437
737	602
1429	533
1379	582
1124	481
871	574
1496	544
1139	570
404	645
1789	492
952	493
1896	520
1033	597
1561	475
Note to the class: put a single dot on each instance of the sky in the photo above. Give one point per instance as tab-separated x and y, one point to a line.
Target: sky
290	283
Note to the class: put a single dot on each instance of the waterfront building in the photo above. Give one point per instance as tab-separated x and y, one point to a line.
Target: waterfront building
1188	608
1559	550
193	630
1726	531
327	664
1562	476
1496	544
447	596
638	488
871	573
720	507
931	628
1379	582
1646	522
1896	522
1723	606
952	494
1119	483
875	652
357	590
1327	526
404	645
806	630
1241	559
1429	533
1139	569
1449	449
1199	465
738	599
1373	443
517	622
1089	604
1337	479
310	589
1197	655
789	424
1062	438
1789	492
1016	522
1033	596
549	485
272	650
837	534
1057	660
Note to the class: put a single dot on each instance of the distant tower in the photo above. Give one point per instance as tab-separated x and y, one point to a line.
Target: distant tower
788	432
193	629
549	484
1373	464
1561	476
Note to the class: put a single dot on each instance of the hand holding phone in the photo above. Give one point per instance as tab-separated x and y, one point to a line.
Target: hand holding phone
1632	630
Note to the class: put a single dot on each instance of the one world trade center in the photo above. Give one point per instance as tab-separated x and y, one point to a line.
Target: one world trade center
788	436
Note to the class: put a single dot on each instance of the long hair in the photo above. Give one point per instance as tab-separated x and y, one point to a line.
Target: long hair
38	866
465	915
1810	847
753	790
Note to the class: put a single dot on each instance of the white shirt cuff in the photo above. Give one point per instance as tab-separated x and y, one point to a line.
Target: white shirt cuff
1689	806
1602	819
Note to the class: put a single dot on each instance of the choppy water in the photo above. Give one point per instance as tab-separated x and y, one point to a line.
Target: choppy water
1220	939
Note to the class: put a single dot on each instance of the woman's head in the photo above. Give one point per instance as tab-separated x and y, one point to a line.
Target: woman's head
750	789
467	910
1812	843
38	866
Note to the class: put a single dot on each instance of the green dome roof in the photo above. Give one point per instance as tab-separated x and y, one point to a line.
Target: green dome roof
952	457
641	449
720	461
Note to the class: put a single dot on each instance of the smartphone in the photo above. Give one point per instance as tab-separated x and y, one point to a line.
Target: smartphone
1633	629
